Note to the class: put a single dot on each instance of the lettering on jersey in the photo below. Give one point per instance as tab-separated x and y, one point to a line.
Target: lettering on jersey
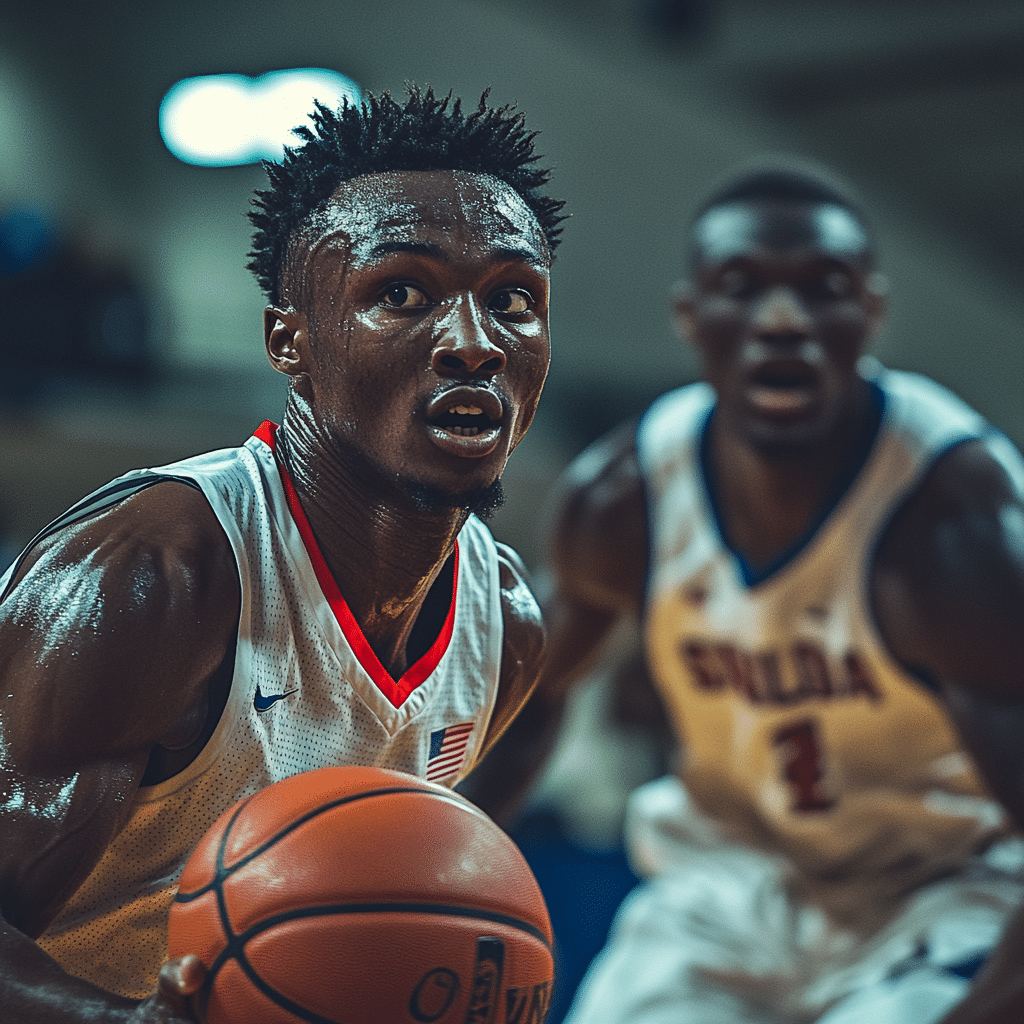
802	767
527	1005
782	677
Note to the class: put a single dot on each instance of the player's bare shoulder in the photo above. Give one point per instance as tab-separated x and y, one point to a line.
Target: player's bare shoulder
110	639
948	579
147	590
523	646
524	624
599	537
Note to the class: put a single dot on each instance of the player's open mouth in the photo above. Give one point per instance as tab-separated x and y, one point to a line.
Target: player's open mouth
787	389
466	421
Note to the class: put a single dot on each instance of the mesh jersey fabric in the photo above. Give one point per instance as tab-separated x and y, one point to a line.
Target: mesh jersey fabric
334	708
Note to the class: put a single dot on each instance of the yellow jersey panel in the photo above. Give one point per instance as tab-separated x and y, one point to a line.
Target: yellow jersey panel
799	731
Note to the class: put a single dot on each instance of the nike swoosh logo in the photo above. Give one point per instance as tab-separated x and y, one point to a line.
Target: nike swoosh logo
261	703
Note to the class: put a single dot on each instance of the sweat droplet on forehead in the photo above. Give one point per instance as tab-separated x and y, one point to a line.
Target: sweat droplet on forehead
735	229
503	209
413	205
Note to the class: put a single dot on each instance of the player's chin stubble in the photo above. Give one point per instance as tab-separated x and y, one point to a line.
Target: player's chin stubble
483	501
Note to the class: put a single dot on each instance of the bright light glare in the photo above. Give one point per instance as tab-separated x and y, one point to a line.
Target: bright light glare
219	120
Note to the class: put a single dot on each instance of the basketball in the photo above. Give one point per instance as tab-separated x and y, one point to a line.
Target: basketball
363	896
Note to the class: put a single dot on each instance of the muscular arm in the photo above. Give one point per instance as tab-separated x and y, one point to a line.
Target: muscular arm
948	588
109	644
598	559
523	648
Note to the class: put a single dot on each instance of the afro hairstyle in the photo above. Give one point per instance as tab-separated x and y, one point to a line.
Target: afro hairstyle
425	133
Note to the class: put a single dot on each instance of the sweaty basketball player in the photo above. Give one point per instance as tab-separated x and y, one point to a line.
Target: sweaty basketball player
325	594
827	560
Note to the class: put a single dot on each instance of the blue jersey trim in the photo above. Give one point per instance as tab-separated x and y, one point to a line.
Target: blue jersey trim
753	575
928	681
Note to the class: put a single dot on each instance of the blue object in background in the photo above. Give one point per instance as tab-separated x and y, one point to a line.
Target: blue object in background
582	887
26	238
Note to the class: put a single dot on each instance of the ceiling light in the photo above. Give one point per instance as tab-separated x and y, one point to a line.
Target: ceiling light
220	120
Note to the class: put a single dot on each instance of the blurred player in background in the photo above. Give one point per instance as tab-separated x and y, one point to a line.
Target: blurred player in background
325	594
827	562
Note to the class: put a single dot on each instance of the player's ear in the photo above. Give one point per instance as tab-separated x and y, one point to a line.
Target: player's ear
683	310
876	293
286	335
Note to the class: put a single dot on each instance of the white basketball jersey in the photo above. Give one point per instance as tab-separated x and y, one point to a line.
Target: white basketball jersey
799	731
307	692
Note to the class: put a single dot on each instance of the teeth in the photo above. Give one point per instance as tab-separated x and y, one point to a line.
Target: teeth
467	410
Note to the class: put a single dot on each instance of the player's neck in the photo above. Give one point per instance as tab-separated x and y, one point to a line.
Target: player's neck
384	552
768	500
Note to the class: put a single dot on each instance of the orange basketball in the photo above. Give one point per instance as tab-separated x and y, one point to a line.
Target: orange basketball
363	896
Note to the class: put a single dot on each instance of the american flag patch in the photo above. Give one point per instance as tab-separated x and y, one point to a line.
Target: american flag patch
447	750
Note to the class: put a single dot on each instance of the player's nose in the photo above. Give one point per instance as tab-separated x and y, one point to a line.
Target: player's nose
463	347
781	312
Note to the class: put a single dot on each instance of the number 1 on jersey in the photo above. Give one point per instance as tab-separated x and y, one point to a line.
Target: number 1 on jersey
802	767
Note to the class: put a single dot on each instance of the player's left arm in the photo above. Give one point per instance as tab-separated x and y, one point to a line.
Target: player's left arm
523	648
948	593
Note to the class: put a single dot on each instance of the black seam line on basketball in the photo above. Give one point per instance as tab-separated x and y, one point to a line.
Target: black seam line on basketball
308	816
278	998
222	906
222	873
403	907
235	950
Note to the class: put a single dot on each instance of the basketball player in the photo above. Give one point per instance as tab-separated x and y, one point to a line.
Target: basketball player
827	561
322	595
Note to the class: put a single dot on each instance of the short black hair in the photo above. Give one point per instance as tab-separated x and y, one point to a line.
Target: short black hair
786	179
425	133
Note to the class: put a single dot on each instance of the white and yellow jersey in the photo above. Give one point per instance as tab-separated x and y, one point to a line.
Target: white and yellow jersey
800	733
308	692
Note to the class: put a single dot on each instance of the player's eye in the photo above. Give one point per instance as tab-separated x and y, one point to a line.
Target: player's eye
403	296
833	284
510	300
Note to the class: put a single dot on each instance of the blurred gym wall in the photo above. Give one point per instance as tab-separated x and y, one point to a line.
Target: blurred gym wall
640	105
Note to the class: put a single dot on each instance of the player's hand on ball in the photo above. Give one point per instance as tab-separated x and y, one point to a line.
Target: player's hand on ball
179	979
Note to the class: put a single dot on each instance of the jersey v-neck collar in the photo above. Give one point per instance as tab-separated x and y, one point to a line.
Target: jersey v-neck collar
396	691
754	575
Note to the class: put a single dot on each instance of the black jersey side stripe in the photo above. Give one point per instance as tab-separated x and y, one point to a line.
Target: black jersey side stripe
91	505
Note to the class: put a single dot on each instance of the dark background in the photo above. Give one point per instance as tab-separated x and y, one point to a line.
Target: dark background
131	333
139	338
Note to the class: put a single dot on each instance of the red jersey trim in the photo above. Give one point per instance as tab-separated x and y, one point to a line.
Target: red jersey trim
396	692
